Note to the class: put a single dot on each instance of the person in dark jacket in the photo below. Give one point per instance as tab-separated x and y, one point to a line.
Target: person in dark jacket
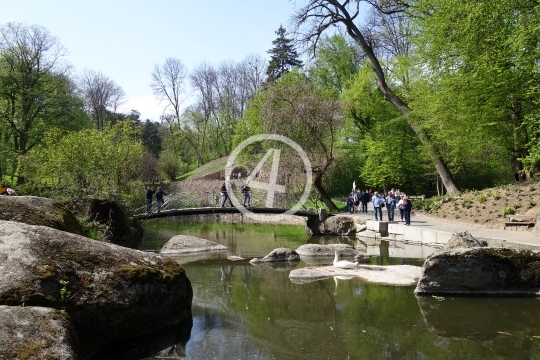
246	190
149	194
159	198
225	196
364	199
407	208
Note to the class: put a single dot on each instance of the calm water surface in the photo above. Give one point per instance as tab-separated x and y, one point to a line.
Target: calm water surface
241	311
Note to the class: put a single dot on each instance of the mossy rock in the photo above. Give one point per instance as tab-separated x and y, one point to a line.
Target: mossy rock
117	227
36	333
481	271
110	292
33	210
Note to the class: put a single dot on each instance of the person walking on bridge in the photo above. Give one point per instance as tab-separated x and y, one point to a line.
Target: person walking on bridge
149	194
246	190
225	196
159	198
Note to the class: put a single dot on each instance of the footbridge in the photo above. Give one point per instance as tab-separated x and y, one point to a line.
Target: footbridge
209	202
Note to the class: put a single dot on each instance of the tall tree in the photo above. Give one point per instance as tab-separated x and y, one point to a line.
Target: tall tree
102	96
482	59
295	107
283	56
151	138
34	83
168	84
316	16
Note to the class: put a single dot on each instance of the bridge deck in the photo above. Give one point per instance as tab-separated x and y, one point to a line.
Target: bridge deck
217	210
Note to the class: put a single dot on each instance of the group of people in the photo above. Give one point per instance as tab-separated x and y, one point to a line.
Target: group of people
392	200
149	198
246	191
232	176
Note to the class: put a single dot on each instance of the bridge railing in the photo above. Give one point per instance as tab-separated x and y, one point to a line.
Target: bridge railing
186	200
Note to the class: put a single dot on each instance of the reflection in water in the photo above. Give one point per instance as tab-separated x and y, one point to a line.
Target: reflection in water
336	280
166	344
480	318
242	311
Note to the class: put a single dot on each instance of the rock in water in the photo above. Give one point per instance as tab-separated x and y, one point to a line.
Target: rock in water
317	250
279	254
183	244
481	271
36	333
110	292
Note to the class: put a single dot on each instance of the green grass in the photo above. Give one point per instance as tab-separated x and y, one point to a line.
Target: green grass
207	169
339	204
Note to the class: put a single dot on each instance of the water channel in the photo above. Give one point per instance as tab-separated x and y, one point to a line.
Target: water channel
241	311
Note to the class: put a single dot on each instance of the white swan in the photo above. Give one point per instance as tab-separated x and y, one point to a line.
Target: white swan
344	264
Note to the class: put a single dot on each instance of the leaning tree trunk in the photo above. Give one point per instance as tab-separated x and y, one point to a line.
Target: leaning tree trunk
323	195
436	157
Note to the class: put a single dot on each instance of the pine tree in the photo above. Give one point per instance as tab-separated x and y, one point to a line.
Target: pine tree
283	56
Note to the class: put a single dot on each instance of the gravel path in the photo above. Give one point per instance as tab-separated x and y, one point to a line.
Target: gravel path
522	239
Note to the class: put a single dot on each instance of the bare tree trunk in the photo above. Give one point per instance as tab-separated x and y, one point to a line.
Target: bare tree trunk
323	195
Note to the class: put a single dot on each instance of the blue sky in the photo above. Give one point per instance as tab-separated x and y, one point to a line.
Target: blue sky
125	39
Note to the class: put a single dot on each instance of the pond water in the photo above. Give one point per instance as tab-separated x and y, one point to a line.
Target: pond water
241	311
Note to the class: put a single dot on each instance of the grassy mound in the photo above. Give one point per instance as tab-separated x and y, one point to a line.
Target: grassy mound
489	207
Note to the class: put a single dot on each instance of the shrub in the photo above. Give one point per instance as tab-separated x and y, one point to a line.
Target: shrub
507	210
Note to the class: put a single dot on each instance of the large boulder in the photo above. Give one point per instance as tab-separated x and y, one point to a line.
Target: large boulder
33	210
114	225
463	240
110	292
481	271
279	254
336	225
183	244
339	225
36	333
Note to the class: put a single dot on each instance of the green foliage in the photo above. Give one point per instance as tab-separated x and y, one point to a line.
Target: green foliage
283	56
508	210
151	138
391	154
64	292
169	166
336	63
95	163
480	93
430	205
